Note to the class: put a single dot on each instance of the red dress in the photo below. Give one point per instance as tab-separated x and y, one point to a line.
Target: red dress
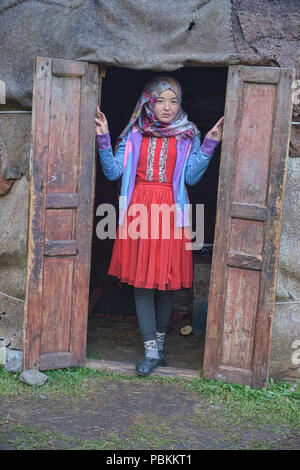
148	259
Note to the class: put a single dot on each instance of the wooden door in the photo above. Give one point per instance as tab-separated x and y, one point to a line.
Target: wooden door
247	235
62	169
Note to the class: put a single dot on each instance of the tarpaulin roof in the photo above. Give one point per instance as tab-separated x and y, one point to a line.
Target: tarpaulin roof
140	34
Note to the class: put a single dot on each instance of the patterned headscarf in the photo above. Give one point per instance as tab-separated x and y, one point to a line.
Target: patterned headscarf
144	117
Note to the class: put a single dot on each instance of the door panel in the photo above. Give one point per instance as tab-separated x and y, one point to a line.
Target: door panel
247	235
62	171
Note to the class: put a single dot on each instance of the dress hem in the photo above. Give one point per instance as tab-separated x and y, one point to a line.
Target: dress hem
134	284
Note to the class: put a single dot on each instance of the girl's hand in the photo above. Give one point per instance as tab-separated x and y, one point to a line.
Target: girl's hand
216	132
101	124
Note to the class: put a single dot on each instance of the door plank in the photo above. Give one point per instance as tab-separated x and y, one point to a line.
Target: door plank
60	248
67	68
243	260
36	221
248	211
58	360
62	201
57	300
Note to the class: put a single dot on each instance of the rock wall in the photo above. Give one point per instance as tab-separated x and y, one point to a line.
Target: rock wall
263	33
285	353
15	132
13	248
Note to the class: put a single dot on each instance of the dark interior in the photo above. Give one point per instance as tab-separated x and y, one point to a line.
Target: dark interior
112	326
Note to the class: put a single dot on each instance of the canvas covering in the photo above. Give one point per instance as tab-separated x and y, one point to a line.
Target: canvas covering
140	34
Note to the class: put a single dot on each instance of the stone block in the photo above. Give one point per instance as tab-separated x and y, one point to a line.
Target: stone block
13	360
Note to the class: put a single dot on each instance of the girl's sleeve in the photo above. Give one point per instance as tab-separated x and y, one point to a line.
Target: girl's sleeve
112	165
199	159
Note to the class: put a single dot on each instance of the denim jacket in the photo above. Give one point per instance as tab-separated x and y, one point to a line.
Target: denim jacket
191	163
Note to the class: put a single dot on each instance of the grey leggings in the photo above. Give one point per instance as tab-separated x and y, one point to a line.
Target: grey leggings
154	310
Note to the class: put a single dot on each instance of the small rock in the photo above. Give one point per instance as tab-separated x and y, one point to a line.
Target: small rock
33	377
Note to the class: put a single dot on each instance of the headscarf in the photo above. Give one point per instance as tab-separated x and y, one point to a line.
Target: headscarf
144	117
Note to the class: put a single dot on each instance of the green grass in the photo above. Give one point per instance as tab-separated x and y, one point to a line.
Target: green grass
154	433
242	405
223	415
24	437
61	382
239	405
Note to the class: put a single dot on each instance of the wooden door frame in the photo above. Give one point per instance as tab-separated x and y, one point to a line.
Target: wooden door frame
129	368
123	367
187	373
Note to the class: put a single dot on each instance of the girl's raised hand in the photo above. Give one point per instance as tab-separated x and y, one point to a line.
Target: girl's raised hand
216	132
101	124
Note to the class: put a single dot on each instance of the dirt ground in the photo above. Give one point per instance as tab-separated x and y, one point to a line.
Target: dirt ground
126	414
115	412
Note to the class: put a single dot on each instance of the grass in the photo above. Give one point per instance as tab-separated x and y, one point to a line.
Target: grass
229	411
23	437
154	433
277	404
76	381
61	382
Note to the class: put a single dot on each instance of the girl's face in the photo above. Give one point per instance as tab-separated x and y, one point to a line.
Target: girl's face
166	106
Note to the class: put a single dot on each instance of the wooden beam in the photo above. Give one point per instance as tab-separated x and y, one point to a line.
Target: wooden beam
62	201
129	369
248	211
60	248
68	68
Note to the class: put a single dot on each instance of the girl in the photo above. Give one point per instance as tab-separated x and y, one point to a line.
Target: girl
157	153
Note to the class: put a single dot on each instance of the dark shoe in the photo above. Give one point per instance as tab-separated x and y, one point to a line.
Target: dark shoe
162	358
146	365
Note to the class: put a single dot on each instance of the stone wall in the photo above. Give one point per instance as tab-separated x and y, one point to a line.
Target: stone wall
264	33
15	132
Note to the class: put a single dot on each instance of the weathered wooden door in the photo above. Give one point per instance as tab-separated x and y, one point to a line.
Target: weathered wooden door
60	216
247	236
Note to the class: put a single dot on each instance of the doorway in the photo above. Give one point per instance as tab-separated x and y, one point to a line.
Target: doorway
113	333
250	194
